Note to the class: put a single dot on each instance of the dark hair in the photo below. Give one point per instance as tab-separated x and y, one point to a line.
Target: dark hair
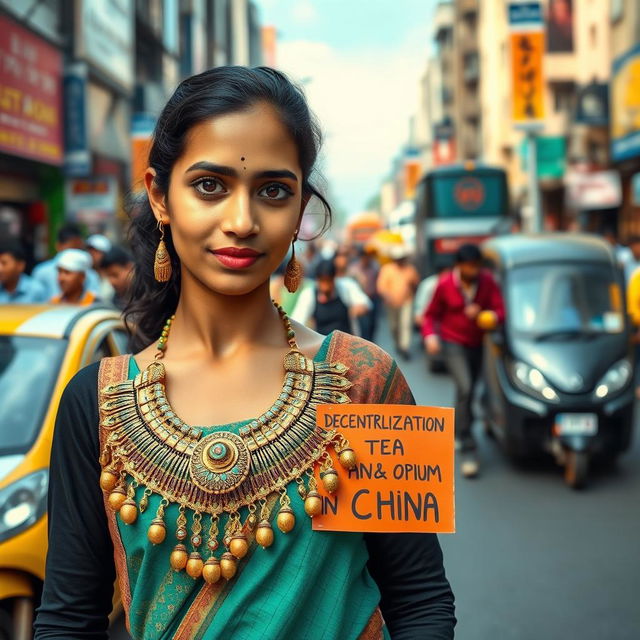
115	255
468	253
14	249
68	231
213	93
325	269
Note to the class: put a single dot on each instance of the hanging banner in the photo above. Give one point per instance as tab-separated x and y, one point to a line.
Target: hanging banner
527	53
403	477
77	157
625	105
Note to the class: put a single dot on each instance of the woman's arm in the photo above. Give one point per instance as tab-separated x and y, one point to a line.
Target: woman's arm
416	598
78	586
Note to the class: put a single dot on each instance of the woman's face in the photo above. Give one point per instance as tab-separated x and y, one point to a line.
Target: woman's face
234	201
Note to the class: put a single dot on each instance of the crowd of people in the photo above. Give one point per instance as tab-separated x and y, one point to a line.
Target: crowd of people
345	289
82	271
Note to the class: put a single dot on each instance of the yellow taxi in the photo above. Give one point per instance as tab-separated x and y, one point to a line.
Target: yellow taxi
41	348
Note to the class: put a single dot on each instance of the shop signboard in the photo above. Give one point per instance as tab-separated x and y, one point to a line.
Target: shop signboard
550	156
625	105
91	201
30	95
105	38
77	157
527	52
590	191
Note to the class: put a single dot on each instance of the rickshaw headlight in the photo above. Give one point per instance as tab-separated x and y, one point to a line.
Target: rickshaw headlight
530	379
23	503
615	379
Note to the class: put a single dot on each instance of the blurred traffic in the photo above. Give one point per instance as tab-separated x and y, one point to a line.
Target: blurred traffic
498	257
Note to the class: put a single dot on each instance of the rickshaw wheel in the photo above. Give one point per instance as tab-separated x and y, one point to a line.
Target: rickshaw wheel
576	469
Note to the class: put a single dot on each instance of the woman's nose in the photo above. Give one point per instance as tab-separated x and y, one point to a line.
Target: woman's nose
239	216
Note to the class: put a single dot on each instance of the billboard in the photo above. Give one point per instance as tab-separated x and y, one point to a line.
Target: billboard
560	26
30	95
527	53
625	105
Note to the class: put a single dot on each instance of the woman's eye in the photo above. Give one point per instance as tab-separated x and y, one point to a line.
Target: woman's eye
208	187
275	192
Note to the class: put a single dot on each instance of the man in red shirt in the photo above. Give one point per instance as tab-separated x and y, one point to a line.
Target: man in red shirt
450	326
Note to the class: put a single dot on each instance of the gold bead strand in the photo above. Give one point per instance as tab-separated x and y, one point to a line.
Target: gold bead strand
179	556
162	342
195	563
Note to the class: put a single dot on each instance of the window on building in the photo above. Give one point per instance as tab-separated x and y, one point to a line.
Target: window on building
564	94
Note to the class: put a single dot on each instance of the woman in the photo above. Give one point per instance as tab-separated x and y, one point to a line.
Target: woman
331	303
184	509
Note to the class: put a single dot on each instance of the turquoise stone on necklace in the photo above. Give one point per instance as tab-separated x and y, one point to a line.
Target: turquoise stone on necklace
218	452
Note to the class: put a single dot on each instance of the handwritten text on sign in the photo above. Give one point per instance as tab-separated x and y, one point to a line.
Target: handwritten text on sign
403	480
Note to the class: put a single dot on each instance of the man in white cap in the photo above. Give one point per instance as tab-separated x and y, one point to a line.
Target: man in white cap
73	266
397	284
98	246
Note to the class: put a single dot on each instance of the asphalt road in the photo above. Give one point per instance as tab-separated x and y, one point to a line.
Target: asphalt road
532	559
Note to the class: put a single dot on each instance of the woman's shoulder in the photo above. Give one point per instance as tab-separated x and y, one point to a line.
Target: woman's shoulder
374	374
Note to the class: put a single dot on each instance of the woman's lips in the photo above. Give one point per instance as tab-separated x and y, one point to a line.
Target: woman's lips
235	258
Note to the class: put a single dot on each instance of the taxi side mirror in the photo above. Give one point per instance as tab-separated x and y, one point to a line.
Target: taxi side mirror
487	320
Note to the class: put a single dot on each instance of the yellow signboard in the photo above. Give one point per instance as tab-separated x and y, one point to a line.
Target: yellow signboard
527	53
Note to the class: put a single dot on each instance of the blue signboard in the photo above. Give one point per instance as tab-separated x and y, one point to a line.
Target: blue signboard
77	156
525	14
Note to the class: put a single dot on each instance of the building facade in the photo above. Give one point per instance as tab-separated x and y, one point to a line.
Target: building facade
82	83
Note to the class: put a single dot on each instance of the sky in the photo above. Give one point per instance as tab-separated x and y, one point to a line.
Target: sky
359	62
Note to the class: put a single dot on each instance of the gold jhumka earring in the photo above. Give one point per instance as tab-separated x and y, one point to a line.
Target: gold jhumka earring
294	271
162	262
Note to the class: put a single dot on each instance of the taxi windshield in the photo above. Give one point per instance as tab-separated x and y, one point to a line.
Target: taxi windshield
564	300
28	370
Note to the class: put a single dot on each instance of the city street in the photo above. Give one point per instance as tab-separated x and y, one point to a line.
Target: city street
531	558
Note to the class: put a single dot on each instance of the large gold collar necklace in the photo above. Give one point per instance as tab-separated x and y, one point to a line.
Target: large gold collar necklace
149	446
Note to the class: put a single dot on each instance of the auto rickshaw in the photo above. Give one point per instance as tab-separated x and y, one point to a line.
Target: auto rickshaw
559	373
41	348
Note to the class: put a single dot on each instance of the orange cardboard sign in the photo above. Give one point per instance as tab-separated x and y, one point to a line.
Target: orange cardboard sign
404	477
527	53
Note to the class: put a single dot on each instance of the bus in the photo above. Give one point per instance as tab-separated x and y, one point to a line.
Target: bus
458	204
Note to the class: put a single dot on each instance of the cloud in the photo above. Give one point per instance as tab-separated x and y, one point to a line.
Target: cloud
363	100
304	12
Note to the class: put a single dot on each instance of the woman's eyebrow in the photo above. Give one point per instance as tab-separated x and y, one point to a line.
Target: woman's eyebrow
230	171
212	168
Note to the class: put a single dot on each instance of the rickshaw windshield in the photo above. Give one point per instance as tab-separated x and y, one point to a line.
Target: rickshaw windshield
560	300
28	370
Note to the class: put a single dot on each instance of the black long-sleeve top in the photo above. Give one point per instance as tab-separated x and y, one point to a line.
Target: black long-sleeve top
416	599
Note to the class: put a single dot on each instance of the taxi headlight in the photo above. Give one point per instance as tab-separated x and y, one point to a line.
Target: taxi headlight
23	503
615	379
530	379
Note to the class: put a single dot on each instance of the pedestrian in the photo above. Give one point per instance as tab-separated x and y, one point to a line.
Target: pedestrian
183	508
69	236
633	262
424	294
331	303
15	285
397	284
117	266
365	272
97	246
73	266
451	326
633	307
